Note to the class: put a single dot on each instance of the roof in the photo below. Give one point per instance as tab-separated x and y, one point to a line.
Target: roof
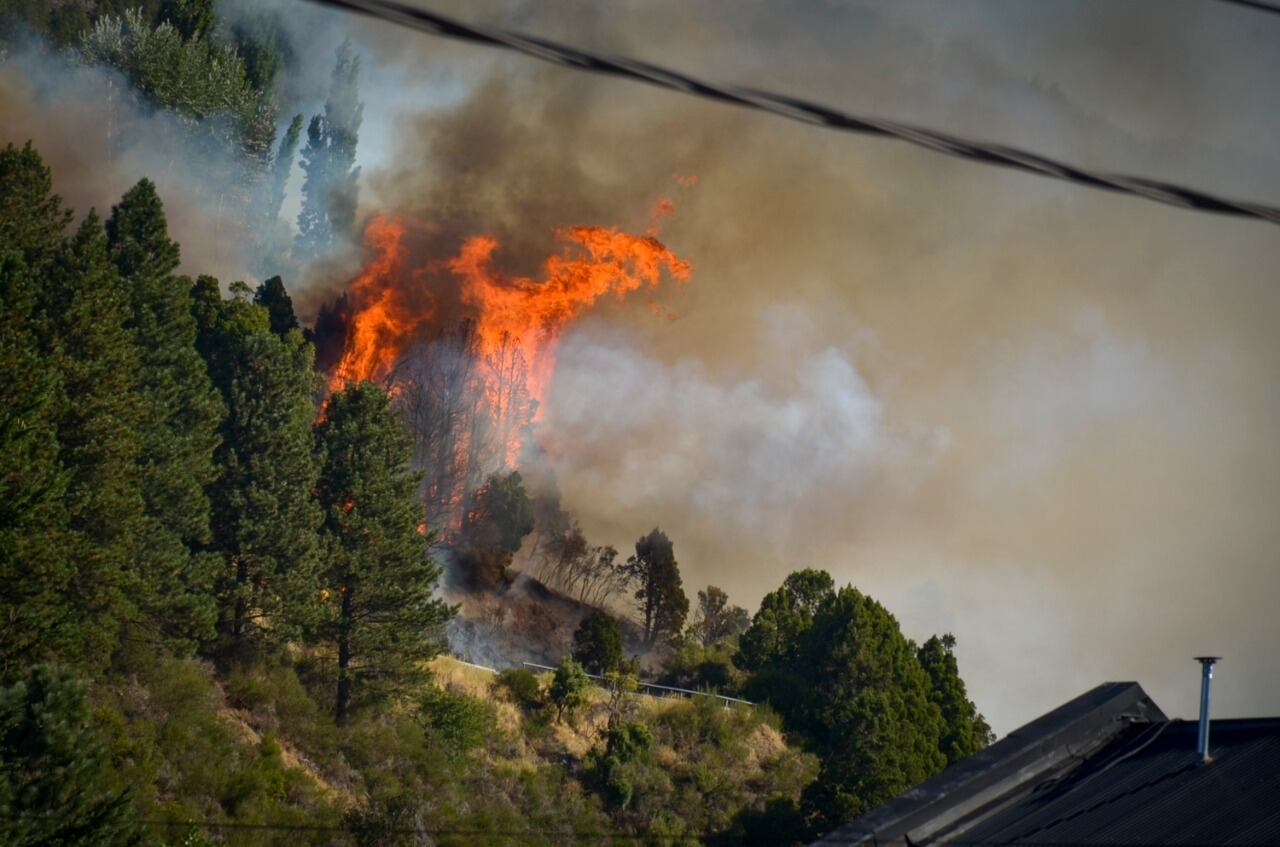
1105	768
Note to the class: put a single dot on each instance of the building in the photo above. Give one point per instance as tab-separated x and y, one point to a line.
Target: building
1107	768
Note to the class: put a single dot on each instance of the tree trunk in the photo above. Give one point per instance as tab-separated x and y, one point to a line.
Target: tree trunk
343	702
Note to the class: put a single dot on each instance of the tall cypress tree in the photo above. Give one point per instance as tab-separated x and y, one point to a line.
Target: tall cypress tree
964	730
180	428
379	615
331	183
265	518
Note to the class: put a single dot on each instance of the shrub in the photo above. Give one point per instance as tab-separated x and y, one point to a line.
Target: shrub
462	722
522	685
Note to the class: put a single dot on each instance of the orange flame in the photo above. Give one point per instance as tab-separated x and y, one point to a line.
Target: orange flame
593	262
385	322
398	302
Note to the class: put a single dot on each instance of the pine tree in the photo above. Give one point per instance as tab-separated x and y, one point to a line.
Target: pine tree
84	317
180	428
663	604
379	614
331	183
34	570
265	519
56	785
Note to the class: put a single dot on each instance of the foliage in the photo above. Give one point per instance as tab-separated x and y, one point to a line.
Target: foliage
264	515
463	723
179	428
56	782
202	82
663	604
272	296
379	619
701	668
329	190
500	515
716	618
773	639
523	686
568	689
597	643
964	732
34	569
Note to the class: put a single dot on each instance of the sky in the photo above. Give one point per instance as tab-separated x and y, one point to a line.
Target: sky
1037	416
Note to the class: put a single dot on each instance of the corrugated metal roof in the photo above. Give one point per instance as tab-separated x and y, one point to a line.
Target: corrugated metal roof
1149	787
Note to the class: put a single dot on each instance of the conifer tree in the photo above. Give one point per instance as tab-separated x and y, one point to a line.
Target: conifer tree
265	519
180	427
330	186
84	320
281	168
379	615
34	570
56	784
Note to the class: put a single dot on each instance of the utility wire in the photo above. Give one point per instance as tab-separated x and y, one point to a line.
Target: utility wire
808	112
1258	5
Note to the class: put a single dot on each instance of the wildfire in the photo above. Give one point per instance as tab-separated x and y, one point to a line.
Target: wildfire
385	321
393	307
471	419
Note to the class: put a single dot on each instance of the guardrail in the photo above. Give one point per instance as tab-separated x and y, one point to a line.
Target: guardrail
663	690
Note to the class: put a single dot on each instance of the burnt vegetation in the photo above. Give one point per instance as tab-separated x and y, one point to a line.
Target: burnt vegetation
223	613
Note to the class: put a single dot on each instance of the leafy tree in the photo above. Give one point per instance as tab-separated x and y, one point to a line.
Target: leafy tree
597	643
329	189
568	690
265	519
784	616
717	619
493	528
663	604
870	715
965	731
179	430
56	784
379	614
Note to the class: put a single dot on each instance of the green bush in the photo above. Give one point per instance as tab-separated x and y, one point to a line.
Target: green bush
523	687
462	722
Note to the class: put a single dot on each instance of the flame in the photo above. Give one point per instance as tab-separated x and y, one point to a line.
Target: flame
399	301
593	262
385	321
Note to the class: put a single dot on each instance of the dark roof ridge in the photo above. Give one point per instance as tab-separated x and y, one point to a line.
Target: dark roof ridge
1049	745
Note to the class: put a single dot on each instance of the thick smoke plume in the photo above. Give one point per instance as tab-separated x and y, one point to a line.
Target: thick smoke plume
1030	414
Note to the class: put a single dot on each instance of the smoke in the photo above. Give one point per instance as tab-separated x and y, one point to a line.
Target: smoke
1034	415
100	142
1038	416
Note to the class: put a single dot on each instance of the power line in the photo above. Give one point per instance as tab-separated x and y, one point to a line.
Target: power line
808	112
1259	5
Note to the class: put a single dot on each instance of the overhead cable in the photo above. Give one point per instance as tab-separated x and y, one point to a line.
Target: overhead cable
807	112
1259	5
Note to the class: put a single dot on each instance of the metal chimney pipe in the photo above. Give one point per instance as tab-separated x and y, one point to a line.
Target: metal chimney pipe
1206	679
